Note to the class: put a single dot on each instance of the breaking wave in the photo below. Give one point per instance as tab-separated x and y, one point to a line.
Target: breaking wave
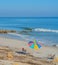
45	30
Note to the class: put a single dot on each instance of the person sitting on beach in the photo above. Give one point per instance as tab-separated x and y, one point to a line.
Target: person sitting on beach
23	50
51	56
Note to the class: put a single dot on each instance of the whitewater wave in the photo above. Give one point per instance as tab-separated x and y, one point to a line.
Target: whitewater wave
45	30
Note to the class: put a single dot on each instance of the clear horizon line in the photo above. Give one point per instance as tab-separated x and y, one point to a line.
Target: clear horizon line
30	17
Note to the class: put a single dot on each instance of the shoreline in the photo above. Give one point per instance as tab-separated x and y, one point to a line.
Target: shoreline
22	37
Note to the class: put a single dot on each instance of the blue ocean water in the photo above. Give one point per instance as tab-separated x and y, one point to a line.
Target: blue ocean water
45	29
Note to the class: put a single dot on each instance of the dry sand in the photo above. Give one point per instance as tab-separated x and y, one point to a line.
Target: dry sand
18	45
12	45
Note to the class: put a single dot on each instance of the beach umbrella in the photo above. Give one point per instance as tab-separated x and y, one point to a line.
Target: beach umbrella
34	44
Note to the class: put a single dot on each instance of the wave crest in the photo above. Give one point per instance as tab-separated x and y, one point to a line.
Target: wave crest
45	30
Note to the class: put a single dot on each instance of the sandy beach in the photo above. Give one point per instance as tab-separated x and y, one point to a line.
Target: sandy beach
35	57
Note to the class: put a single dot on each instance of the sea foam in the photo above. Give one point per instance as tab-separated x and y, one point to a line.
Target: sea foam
45	30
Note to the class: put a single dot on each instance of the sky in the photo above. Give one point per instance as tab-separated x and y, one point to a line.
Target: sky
28	8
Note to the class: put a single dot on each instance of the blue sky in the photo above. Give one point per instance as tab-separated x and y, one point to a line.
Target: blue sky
29	8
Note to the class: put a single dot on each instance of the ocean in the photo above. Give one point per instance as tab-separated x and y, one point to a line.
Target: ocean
44	29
